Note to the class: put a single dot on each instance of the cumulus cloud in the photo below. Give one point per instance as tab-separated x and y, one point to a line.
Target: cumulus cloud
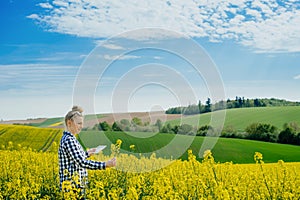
265	26
33	16
45	5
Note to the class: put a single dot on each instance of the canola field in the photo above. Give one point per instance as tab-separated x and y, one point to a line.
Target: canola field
28	174
39	139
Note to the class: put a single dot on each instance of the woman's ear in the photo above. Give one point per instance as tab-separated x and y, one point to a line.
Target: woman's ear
69	122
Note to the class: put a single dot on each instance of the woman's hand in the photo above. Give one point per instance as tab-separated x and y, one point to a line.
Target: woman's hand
91	151
111	163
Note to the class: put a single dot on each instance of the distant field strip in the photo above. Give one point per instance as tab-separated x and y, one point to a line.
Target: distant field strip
50	122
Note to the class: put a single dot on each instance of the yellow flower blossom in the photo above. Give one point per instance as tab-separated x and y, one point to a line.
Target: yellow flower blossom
27	174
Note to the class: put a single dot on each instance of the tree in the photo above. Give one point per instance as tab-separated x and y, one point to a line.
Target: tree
286	136
221	105
125	122
202	131
293	125
185	129
199	106
191	110
116	127
256	103
159	124
104	126
262	132
289	134
175	129
207	107
166	129
136	121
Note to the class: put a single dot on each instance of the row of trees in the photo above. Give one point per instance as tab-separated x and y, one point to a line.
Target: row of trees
135	125
239	102
290	134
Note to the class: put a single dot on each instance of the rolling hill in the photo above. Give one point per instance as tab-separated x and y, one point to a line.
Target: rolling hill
236	150
40	139
225	150
240	118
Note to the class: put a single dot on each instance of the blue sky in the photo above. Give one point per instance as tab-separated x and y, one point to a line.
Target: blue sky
45	46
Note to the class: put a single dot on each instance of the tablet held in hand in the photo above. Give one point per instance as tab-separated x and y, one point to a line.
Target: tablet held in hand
100	148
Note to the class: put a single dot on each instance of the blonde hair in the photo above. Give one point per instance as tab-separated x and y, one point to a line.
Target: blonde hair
76	111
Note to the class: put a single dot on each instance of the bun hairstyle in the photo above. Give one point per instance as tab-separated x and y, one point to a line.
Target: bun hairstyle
76	111
77	108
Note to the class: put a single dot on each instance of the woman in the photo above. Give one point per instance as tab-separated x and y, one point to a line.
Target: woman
73	163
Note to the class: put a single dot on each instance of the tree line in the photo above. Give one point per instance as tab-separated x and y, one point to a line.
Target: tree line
239	102
289	134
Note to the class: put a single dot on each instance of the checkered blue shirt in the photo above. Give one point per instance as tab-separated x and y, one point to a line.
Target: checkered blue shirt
73	160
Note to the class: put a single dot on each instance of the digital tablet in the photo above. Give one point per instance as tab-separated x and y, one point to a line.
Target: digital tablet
100	148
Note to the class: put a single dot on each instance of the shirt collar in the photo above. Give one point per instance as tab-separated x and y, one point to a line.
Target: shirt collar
68	133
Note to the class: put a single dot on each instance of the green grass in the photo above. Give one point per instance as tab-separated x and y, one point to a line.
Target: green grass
225	150
242	117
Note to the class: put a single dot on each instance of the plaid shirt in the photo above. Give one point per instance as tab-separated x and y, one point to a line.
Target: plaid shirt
73	160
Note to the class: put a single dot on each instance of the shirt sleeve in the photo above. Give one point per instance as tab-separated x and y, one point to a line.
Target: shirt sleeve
80	157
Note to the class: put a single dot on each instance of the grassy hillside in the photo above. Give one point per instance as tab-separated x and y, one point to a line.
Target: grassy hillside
242	117
225	150
236	150
39	139
238	118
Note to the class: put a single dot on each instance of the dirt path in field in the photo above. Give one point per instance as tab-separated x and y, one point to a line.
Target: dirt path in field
150	117
26	121
144	116
110	118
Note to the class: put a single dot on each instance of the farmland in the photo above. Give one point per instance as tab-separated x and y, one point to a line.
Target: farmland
225	150
242	117
37	178
40	139
232	169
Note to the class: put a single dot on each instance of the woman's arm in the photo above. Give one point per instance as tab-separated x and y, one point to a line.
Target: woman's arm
79	156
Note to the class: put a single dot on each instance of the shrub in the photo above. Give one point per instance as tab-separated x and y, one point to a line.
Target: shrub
262	132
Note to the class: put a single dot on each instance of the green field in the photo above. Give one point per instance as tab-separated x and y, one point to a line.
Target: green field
240	118
225	150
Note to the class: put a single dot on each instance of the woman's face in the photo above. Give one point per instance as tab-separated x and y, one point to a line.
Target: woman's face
75	125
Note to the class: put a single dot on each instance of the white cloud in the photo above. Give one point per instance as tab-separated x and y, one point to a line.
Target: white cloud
297	77
45	5
265	26
33	16
112	46
124	57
